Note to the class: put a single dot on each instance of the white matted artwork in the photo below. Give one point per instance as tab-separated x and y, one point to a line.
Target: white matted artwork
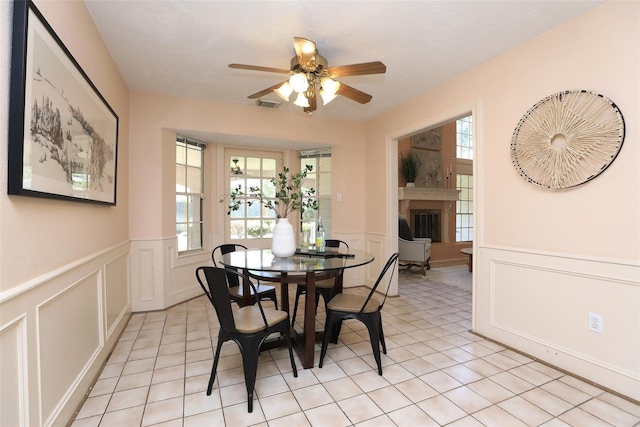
63	135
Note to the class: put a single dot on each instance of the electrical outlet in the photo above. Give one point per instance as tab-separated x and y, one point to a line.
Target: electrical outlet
595	323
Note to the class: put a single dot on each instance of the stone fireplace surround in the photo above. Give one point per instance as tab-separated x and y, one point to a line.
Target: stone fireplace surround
445	196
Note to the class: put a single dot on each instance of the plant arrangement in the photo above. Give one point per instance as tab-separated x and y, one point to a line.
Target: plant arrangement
288	196
410	166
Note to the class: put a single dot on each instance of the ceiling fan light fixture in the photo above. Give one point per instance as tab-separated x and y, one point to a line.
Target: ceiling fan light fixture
329	85
327	97
311	77
301	100
308	47
299	82
284	91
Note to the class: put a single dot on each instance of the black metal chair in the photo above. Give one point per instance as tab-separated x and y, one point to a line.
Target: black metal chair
248	326
235	286
365	309
323	287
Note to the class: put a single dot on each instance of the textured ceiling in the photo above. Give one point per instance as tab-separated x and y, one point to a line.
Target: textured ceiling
182	48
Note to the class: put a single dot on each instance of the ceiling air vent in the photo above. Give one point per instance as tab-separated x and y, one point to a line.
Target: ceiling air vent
267	104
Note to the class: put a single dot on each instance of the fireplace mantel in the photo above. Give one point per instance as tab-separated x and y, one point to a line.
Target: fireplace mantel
447	197
424	193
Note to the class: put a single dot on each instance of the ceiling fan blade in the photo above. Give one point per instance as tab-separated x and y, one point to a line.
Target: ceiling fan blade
265	92
365	68
313	105
258	68
354	94
306	52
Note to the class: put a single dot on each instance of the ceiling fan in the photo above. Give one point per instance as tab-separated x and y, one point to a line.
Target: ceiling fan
311	75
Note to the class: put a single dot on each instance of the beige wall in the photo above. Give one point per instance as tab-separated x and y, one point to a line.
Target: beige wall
545	259
64	266
159	276
537	251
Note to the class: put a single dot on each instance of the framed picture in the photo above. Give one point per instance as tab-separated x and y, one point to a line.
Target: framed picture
63	135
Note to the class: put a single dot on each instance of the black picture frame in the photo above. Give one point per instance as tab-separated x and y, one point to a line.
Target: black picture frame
63	135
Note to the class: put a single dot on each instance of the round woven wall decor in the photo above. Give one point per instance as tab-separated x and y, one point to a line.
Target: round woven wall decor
567	139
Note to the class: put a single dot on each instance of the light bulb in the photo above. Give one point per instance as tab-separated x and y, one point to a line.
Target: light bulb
327	97
308	47
301	100
284	91
329	85
299	82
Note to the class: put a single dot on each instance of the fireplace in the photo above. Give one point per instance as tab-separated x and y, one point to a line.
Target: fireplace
436	219
426	223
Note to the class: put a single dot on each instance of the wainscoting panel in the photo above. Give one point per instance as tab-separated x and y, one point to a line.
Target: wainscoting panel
71	319
375	245
182	283
146	285
54	339
540	304
14	385
117	296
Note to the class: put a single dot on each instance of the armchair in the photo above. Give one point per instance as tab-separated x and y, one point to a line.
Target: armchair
412	252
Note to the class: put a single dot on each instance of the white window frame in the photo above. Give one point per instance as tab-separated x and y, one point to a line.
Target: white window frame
464	138
320	180
265	218
194	223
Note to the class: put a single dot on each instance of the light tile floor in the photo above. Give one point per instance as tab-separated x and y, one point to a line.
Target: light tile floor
436	373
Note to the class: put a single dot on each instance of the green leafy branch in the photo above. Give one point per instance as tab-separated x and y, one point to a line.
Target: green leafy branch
289	195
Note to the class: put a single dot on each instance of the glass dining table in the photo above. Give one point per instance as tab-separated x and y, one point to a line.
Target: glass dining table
303	267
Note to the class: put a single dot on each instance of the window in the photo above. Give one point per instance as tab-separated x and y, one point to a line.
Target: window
257	169
464	138
189	193
245	171
320	180
464	208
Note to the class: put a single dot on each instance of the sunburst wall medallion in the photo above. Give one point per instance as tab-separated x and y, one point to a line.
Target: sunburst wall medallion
567	139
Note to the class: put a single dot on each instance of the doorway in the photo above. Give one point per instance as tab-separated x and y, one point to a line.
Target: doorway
472	109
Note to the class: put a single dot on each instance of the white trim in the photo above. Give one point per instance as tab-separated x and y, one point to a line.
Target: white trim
40	280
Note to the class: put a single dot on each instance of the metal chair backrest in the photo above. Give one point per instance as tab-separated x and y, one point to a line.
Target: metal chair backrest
391	264
215	286
225	249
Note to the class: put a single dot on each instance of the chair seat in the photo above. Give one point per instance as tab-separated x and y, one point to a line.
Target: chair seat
352	303
236	291
324	284
248	319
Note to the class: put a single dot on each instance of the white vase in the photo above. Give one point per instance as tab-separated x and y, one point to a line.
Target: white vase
411	184
284	239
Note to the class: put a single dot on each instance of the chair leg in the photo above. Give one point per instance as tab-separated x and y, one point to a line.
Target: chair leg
373	325
328	329
336	331
287	336
250	366
384	346
299	292
212	378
